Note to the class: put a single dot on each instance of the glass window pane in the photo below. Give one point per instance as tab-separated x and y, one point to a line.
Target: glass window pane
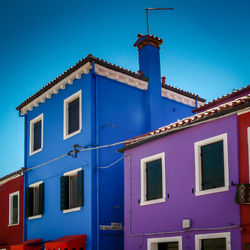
212	164
73	116
153	180
14	209
36	201
37	135
168	246
213	244
73	191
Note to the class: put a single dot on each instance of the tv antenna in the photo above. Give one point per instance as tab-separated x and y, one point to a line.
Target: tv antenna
147	9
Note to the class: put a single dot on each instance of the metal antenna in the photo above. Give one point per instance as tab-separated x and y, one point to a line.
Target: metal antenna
147	9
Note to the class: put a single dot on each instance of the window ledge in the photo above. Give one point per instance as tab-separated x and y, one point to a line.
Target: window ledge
211	191
72	134
151	202
70	210
35	217
12	225
37	151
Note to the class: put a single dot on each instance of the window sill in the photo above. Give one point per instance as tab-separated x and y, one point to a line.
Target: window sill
34	152
65	137
151	202
71	210
12	225
211	191
35	217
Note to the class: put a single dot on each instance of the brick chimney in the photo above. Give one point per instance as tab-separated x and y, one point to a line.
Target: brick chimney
149	64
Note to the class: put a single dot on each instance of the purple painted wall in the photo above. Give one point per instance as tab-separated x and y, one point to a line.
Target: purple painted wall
206	211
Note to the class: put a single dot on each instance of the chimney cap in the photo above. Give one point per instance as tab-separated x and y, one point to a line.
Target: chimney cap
144	40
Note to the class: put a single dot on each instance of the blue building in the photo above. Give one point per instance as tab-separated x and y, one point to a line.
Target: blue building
92	104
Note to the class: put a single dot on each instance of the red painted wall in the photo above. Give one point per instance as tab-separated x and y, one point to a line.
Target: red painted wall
11	234
244	123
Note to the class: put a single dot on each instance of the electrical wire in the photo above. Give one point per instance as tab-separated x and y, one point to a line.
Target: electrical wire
111	163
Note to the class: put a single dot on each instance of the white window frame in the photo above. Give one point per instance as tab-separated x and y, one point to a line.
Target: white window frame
198	176
199	237
71	98
248	143
32	122
11	208
70	173
144	201
33	185
152	243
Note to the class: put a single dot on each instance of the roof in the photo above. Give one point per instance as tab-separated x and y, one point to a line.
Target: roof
229	107
90	58
143	40
221	99
11	175
182	92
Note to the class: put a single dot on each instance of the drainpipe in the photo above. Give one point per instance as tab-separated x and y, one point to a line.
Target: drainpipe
24	173
97	158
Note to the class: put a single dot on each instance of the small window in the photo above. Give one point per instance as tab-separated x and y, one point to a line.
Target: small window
72	191
165	243
153	179
14	208
213	241
211	165
36	134
73	115
34	204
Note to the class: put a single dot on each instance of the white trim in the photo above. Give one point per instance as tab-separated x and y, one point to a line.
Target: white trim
243	111
11	208
10	178
199	237
72	172
197	147
35	184
143	179
248	146
60	85
152	243
32	122
70	210
35	217
120	77
71	98
178	97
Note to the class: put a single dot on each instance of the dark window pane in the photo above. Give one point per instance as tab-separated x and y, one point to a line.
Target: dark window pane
15	209
212	164
73	116
168	246
37	135
153	180
213	244
73	191
36	201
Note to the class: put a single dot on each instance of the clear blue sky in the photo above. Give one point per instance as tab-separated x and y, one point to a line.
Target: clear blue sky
206	48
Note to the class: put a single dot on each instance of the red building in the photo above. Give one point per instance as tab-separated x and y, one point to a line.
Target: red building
11	209
244	151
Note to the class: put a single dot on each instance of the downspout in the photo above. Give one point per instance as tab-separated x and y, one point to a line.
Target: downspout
97	159
24	173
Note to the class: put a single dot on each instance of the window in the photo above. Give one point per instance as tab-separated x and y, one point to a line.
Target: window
72	191
72	115
213	241
36	134
211	165
34	200
165	243
153	179
14	209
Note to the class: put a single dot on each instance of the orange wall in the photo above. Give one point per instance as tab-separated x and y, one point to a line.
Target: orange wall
244	123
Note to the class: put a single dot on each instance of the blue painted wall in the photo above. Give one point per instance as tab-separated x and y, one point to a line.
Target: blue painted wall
111	111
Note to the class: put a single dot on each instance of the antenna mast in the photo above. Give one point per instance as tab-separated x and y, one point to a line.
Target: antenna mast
147	9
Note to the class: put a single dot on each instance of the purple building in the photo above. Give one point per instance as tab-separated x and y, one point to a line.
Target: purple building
178	183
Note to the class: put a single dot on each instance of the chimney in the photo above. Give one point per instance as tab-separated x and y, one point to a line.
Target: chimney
149	64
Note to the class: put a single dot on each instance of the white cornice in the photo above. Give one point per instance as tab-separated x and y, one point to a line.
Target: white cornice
60	85
10	178
121	77
178	97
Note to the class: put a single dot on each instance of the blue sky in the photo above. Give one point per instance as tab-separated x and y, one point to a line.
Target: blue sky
206	48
